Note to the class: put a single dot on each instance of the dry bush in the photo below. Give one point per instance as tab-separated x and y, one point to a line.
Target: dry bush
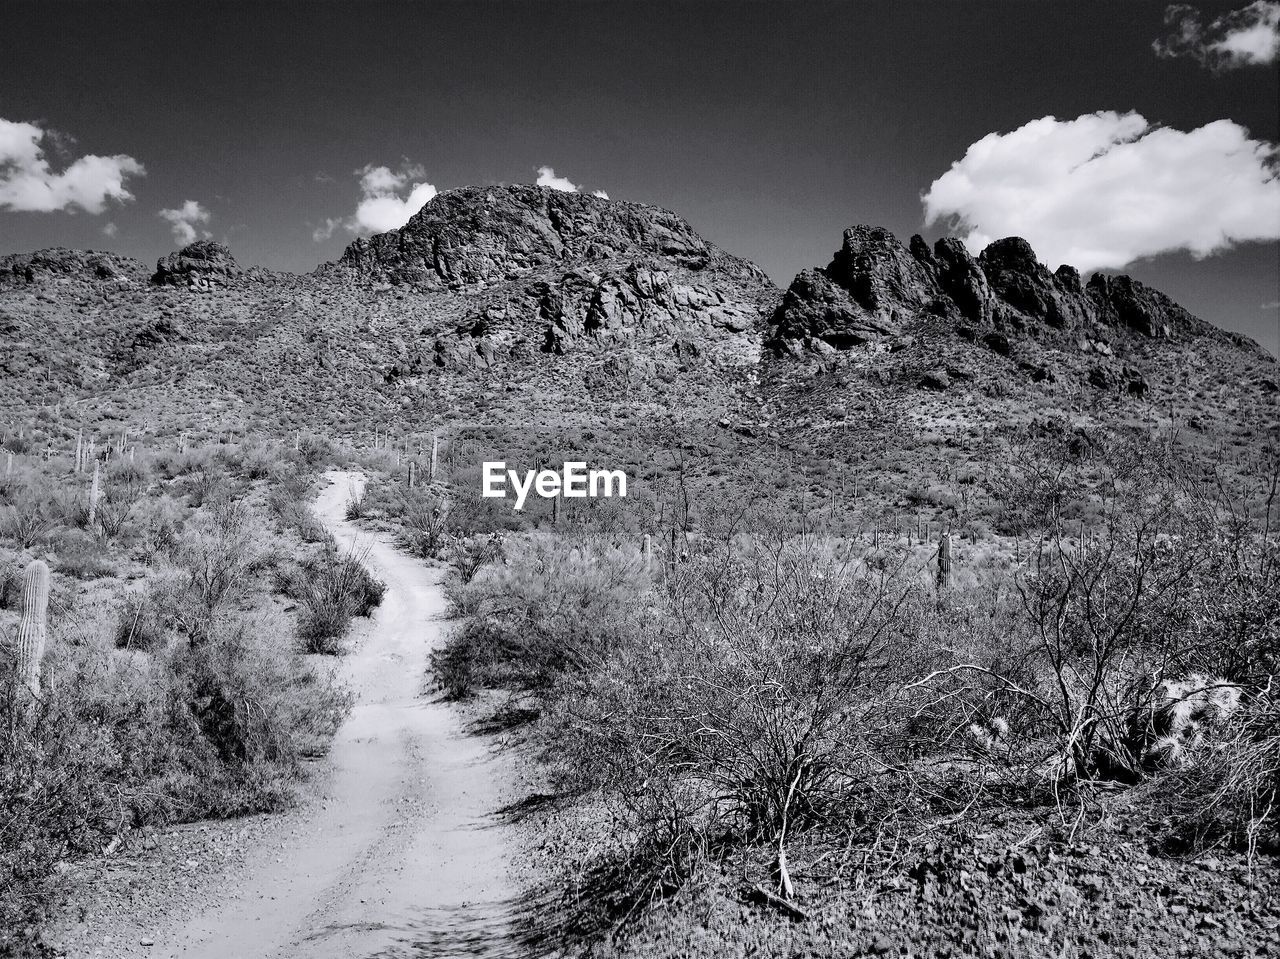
760	701
552	607
121	740
28	516
219	552
1132	653
288	502
332	589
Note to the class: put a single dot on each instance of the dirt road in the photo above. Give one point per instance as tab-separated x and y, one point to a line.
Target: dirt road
399	854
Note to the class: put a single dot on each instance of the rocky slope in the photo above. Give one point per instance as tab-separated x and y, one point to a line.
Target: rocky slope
522	308
916	363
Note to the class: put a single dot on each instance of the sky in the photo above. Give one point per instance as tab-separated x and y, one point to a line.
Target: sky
1120	136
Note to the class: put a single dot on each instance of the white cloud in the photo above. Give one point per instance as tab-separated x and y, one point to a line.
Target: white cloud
185	220
382	206
110	230
1107	188
28	183
1245	37
547	177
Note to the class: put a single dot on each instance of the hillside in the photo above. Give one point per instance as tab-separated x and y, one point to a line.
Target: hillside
527	318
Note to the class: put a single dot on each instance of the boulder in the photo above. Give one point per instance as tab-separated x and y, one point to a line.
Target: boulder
200	265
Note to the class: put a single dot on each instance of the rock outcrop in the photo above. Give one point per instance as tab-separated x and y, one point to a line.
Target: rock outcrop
58	263
874	287
199	265
562	270
477	235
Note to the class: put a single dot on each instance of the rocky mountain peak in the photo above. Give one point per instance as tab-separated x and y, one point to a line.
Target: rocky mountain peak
477	235
201	264
875	287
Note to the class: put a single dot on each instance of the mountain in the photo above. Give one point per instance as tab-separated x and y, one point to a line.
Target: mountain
524	309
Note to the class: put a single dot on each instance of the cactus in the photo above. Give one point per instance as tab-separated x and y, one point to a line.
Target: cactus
413	473
8	463
944	561
646	550
435	457
95	490
79	450
33	627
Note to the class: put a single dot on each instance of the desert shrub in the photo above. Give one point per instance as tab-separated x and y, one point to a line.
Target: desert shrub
124	488
552	607
333	589
256	459
145	618
219	551
316	451
157	521
288	504
123	739
79	555
204	485
761	699
356	506
257	703
424	528
1174	589
28	516
469	555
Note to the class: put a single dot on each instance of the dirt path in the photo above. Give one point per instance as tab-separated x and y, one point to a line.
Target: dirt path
399	854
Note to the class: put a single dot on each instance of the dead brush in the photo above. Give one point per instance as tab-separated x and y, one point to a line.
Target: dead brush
338	588
1226	788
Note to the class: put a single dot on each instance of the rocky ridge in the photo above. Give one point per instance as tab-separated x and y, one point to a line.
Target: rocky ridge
565	298
875	287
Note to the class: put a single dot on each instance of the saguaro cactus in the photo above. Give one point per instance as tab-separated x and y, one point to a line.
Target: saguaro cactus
33	627
95	491
646	550
435	457
944	561
413	473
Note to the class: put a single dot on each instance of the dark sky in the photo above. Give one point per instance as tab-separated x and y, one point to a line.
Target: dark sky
770	126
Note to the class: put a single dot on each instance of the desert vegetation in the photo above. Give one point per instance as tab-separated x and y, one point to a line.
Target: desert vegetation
729	693
161	603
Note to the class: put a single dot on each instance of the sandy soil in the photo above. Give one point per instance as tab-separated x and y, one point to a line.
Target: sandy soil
397	852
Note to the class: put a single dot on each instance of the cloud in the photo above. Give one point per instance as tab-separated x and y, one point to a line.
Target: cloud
184	222
28	183
1108	188
1246	37
382	206
547	177
110	230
